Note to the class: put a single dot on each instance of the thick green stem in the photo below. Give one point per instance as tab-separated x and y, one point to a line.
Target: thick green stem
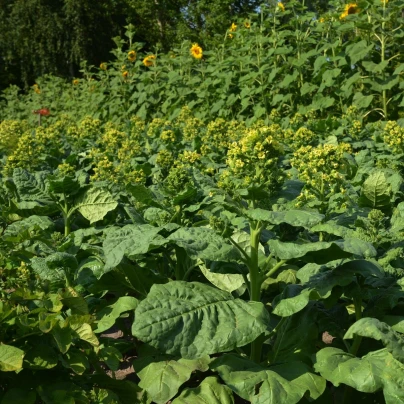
255	283
358	315
180	266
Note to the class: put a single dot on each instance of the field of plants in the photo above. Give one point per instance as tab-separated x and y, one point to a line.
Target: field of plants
211	226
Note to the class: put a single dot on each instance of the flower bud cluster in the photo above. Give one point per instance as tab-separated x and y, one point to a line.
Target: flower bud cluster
322	168
393	135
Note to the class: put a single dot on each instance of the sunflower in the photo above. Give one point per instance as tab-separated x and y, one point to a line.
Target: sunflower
103	66
351	8
281	6
76	81
196	51
233	27
149	60
125	74
247	24
384	2
132	56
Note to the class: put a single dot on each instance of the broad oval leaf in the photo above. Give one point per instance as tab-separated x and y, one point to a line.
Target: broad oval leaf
209	391
10	358
95	203
193	319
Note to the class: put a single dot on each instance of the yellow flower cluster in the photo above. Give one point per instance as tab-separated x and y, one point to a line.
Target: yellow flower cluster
10	133
66	169
86	131
322	168
114	153
302	137
253	160
393	135
233	28
167	136
165	159
355	129
156	126
281	6
188	157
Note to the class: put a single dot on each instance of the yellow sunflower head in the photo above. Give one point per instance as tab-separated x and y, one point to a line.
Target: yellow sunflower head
350	8
125	74
76	81
196	51
384	2
233	27
103	66
149	60
281	6
247	24
36	88
132	56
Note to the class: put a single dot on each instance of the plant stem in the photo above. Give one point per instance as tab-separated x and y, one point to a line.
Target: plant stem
358	315
255	283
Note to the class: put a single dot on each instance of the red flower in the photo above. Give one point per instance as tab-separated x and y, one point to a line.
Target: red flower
42	112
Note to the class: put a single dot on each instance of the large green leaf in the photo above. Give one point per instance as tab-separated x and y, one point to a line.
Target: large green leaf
107	316
194	319
204	243
374	371
374	328
320	282
297	218
10	358
130	241
94	204
227	282
322	252
162	379
40	357
376	191
283	383
210	391
25	228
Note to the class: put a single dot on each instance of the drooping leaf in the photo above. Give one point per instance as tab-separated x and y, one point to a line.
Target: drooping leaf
322	252
204	243
193	319
40	357
227	282
107	316
11	358
162	379
284	383
374	371
130	240
374	328
210	391
376	191
94	204
297	218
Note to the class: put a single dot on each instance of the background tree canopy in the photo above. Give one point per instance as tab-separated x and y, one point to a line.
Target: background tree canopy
40	37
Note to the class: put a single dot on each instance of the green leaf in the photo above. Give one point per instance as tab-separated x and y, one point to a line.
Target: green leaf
23	229
163	379
76	361
62	336
204	243
374	328
285	383
11	358
376	191
362	101
297	218
40	357
130	240
322	252
107	316
111	356
85	332
375	67
193	319
210	391
19	396
227	282
358	51
374	371
94	204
